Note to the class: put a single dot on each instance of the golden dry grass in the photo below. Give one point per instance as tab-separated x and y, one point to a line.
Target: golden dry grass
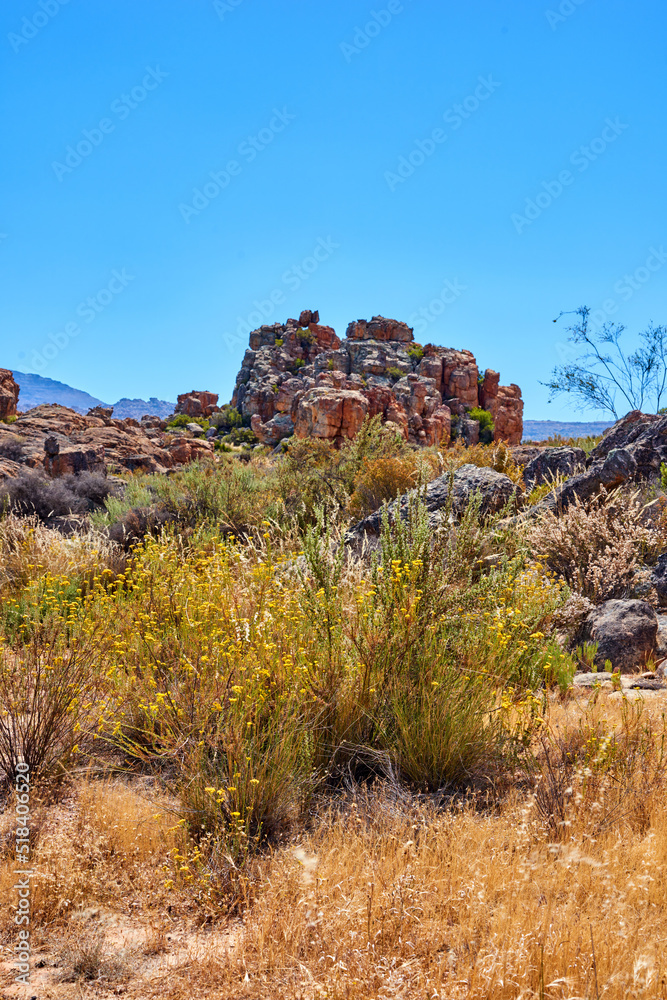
383	896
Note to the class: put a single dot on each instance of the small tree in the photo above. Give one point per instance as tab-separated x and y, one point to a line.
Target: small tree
604	373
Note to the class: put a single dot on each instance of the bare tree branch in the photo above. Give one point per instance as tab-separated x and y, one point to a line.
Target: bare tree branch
601	376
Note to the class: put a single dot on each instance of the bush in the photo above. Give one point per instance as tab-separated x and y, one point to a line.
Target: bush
598	547
394	372
497	456
381	481
416	352
79	493
11	447
231	496
486	426
227	419
46	718
240	436
182	420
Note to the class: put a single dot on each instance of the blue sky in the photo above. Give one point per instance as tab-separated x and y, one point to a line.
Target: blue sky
175	170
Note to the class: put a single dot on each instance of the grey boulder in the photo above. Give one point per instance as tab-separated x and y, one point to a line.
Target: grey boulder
625	631
495	490
659	579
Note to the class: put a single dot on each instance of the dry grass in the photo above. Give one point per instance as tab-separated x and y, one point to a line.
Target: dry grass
255	677
386	896
29	550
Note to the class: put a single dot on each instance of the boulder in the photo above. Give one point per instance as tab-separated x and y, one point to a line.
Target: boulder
197	404
468	431
508	419
105	412
488	391
274	430
643	435
626	632
659	579
379	328
330	413
554	462
9	394
494	488
308	316
195	429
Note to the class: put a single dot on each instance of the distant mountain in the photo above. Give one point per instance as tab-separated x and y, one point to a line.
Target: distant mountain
542	430
35	389
138	408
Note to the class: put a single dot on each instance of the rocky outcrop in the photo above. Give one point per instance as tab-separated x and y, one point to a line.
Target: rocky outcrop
56	440
9	394
197	404
625	632
300	378
643	435
494	489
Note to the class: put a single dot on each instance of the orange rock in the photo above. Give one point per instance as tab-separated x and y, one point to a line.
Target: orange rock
9	394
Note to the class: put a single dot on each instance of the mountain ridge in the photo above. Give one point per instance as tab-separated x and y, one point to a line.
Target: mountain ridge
37	389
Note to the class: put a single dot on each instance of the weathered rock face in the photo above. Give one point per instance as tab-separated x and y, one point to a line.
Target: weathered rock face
299	378
9	394
625	631
57	440
197	404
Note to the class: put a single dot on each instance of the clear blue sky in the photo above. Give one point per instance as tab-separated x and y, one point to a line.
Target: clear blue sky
305	111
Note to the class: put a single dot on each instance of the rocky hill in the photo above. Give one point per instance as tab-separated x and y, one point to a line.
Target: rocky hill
57	440
300	378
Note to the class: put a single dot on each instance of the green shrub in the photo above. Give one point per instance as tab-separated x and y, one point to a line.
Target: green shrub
395	372
416	352
485	420
182	420
226	419
240	435
306	337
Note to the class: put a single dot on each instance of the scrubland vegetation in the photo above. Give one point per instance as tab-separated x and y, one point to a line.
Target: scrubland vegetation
270	764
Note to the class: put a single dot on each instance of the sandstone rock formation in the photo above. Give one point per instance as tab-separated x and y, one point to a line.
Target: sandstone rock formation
9	394
56	440
300	378
197	404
